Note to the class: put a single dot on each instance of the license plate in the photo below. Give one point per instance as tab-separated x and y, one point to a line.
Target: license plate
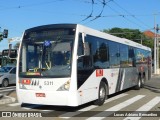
40	95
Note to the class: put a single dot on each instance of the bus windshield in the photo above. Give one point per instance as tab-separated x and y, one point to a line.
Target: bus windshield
47	53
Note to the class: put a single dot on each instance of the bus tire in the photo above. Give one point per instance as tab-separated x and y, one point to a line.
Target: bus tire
101	94
139	83
5	83
143	79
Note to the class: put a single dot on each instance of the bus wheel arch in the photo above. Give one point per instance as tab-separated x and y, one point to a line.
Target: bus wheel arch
102	92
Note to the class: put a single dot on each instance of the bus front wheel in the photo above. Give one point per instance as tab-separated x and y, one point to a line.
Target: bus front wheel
101	94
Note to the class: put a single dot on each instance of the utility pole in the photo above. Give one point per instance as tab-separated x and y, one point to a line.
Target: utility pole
155	46
157	38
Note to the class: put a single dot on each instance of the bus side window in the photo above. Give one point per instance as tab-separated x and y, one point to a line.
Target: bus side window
131	55
114	55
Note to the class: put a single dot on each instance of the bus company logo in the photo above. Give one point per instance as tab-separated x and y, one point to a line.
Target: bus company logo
99	73
35	82
6	114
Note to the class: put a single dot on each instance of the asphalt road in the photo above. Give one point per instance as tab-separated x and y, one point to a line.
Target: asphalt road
127	105
126	102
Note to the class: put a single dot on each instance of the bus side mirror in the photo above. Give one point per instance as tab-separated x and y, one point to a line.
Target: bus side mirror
85	45
86	49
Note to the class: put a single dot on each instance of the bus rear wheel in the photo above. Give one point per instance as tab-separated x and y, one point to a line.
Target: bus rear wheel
139	83
101	94
143	80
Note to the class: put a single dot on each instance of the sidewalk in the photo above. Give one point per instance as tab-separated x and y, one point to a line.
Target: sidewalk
154	83
9	98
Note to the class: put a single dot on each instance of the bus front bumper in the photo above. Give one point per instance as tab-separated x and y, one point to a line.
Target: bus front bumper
59	98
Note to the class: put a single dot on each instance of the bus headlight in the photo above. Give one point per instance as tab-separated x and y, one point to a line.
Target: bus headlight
65	86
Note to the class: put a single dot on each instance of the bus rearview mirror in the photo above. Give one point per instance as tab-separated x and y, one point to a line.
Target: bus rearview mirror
86	49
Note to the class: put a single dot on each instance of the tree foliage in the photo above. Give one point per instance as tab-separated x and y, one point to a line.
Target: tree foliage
16	46
131	34
1	37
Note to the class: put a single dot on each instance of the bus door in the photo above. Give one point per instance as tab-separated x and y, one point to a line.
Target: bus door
84	69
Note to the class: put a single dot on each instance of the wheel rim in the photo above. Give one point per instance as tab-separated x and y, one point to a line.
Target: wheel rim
5	83
139	83
102	93
142	80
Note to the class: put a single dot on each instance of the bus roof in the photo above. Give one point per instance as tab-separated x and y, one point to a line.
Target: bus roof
92	32
107	36
51	26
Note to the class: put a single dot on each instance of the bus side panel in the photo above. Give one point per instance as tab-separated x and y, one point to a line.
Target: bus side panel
89	89
127	78
118	79
121	78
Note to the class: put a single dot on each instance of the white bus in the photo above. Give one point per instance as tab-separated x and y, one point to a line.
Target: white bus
70	64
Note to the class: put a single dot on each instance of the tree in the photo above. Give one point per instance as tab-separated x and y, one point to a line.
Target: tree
16	46
1	37
131	34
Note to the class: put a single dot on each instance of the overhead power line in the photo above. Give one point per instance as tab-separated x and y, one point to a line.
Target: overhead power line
98	16
30	5
138	21
100	3
131	14
90	15
125	17
103	3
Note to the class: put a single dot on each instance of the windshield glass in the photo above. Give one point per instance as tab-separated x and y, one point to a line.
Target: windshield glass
47	53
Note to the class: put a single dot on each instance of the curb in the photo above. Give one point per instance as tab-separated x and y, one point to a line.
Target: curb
7	100
151	88
1	96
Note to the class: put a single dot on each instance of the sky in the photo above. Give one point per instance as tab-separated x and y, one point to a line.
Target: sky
18	15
